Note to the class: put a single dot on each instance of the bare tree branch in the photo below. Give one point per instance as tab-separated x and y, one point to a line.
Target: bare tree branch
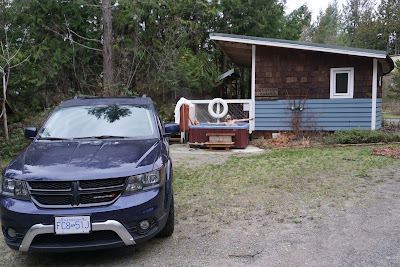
2	48
84	38
134	73
20	62
3	58
56	32
88	47
7	46
69	30
56	25
19	48
73	51
148	52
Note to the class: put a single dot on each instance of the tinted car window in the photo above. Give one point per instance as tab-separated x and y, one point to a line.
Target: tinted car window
101	120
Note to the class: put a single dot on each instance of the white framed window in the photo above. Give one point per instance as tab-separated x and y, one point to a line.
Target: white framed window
342	82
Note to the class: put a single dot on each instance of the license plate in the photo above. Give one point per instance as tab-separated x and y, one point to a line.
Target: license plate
72	225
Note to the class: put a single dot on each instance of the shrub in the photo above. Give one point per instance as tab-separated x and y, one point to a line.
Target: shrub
10	148
17	143
357	136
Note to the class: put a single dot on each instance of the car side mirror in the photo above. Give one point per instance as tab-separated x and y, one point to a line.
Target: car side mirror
30	132
172	128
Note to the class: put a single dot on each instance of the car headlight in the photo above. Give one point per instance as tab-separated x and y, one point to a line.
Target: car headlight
145	181
14	188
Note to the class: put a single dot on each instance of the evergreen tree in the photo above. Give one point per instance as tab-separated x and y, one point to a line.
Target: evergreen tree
389	24
296	22
326	29
357	14
368	33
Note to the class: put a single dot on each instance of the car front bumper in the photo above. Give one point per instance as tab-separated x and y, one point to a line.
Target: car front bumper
110	225
114	225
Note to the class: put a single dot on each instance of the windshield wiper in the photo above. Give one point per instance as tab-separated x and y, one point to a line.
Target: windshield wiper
52	138
101	137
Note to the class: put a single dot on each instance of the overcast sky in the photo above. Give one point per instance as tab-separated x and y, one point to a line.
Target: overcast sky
313	5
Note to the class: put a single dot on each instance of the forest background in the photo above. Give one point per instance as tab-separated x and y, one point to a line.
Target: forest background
52	50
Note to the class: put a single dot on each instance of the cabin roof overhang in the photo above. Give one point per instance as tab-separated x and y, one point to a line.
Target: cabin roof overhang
239	47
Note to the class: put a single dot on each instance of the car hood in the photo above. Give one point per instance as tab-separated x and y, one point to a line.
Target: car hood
81	160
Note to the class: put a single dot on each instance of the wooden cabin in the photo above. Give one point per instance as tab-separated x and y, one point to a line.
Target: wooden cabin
326	87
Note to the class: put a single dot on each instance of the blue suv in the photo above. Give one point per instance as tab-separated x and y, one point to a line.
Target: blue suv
97	175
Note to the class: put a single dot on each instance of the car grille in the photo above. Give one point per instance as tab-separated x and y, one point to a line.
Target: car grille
101	183
50	185
49	194
97	236
53	199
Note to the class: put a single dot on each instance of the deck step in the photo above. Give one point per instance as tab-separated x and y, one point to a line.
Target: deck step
212	145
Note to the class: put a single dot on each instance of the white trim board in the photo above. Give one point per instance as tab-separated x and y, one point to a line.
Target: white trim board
253	86
374	93
297	46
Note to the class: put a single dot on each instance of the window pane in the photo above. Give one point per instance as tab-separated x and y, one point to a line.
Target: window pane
342	83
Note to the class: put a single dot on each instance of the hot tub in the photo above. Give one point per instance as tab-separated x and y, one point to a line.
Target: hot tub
198	133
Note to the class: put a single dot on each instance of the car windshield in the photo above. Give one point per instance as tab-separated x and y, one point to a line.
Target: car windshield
101	121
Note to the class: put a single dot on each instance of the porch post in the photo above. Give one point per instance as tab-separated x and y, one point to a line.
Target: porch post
374	93
253	87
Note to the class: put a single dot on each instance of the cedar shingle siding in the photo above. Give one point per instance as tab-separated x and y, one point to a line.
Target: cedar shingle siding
295	72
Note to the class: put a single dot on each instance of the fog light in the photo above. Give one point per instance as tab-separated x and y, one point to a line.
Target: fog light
11	233
144	225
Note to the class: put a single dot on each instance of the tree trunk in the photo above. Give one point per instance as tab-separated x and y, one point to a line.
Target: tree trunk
108	63
4	109
5	120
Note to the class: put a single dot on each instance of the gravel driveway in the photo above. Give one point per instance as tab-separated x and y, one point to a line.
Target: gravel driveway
364	230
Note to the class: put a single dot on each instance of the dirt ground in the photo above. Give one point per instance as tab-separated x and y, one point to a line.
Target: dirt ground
363	230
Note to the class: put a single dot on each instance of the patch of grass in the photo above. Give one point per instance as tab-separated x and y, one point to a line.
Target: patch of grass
281	180
390	116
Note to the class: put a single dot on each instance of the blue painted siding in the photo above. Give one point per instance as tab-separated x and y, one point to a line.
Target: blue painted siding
318	114
378	124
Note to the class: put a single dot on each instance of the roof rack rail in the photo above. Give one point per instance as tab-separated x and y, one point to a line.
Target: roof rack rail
83	96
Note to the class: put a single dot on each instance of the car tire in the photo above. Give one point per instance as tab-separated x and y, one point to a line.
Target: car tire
168	229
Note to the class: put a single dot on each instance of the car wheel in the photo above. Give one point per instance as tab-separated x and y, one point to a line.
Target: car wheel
169	226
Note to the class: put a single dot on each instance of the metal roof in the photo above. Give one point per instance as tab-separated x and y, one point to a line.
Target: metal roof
243	42
226	74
